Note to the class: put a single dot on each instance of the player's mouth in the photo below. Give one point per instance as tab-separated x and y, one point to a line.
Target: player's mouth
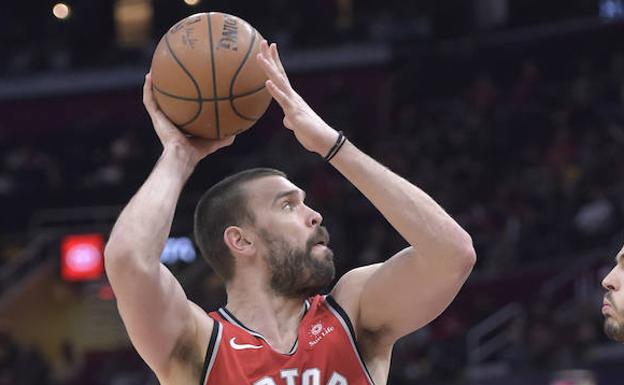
606	306
322	238
320	245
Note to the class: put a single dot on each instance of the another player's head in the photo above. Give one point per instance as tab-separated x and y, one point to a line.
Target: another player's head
613	303
257	221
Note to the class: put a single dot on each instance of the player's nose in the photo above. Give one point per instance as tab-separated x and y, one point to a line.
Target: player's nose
314	218
609	281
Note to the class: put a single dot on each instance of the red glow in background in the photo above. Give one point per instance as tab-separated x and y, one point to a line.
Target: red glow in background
82	257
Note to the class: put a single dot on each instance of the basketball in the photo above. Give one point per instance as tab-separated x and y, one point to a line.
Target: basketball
205	76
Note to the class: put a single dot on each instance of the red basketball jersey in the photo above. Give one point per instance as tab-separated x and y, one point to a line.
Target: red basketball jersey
325	352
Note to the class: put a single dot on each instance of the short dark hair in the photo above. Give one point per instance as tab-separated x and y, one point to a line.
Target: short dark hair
221	206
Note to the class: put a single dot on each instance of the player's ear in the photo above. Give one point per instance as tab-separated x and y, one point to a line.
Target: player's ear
239	241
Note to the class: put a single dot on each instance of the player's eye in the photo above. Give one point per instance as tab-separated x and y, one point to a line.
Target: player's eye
288	206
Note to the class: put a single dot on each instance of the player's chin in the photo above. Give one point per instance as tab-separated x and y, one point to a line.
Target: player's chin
323	252
614	329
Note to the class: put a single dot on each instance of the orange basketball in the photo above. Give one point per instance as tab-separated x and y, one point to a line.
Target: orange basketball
205	76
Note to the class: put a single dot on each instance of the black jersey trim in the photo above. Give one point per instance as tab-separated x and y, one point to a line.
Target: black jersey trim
211	352
231	318
348	326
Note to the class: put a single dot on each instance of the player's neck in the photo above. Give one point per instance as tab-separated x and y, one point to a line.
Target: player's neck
274	317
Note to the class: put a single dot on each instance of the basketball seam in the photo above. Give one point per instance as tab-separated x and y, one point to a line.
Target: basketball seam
214	76
200	100
238	70
188	73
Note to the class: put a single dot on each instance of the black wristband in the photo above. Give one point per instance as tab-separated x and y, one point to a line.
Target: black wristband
337	146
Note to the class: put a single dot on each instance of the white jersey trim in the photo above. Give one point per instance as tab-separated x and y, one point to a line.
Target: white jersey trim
215	349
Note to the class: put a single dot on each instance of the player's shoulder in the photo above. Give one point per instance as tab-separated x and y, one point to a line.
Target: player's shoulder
199	338
350	284
346	293
202	317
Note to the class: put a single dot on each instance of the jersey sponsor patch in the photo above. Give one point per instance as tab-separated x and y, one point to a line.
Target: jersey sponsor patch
317	332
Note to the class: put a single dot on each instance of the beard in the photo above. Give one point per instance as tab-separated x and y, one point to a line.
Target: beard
295	272
614	327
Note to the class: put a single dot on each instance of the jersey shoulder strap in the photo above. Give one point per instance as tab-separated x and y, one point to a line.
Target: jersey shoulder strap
213	347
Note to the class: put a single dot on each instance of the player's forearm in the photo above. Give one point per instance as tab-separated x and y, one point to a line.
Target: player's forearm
413	213
142	228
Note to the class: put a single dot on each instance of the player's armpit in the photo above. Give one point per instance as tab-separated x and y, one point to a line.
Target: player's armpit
157	314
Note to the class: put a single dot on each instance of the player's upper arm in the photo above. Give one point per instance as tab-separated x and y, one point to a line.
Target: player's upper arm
156	313
403	294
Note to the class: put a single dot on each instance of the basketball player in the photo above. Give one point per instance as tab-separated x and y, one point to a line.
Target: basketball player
273	253
613	302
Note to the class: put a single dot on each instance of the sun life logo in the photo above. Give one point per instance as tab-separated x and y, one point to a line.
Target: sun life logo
316	329
318	332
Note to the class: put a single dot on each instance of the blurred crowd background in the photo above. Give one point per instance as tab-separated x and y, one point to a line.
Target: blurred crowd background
510	113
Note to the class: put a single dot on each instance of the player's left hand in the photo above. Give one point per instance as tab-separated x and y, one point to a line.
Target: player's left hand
309	129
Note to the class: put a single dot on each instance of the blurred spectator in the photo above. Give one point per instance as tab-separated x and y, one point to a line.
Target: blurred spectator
70	365
9	355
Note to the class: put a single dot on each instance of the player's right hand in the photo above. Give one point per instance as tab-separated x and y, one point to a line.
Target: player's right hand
170	136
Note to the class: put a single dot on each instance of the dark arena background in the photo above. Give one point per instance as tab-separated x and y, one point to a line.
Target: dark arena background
510	113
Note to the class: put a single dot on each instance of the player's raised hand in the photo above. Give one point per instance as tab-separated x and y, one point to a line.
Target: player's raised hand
311	131
170	136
